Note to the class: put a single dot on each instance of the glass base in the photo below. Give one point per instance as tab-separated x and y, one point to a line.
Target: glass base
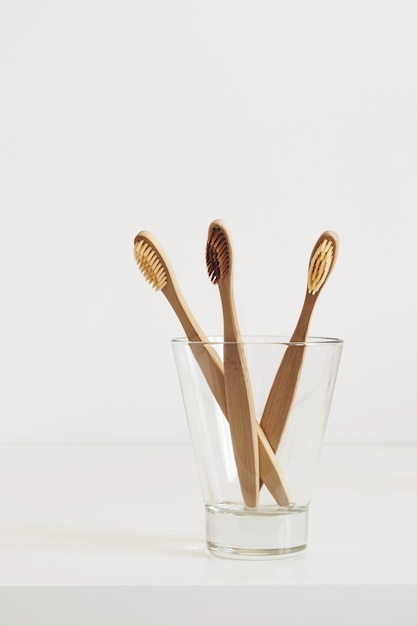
235	532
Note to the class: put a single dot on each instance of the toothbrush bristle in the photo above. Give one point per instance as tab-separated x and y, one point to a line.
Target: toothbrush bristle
150	264
217	255
320	266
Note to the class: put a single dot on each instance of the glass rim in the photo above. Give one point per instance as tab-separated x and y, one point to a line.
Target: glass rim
283	340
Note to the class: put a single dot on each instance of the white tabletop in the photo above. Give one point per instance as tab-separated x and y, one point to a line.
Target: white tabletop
129	518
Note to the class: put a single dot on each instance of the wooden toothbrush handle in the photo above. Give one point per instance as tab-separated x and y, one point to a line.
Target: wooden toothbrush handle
281	395
242	421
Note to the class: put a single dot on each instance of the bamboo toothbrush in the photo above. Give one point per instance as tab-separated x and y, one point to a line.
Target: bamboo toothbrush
156	268
240	410
283	388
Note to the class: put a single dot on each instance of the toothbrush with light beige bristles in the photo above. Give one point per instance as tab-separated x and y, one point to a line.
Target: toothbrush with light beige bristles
156	268
240	408
281	395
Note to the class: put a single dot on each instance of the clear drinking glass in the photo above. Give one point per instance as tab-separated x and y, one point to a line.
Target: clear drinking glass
272	529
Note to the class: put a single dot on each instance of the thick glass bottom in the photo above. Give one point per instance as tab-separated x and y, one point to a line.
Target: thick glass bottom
236	532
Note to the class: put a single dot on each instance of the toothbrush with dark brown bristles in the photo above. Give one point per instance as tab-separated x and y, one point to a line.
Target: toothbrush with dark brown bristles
156	268
240	409
281	395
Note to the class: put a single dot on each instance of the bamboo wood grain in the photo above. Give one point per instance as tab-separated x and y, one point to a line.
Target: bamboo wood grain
210	363
240	406
282	393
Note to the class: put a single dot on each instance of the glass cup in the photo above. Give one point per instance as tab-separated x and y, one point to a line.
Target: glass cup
277	526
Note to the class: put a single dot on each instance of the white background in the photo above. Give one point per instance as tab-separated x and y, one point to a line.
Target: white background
283	118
